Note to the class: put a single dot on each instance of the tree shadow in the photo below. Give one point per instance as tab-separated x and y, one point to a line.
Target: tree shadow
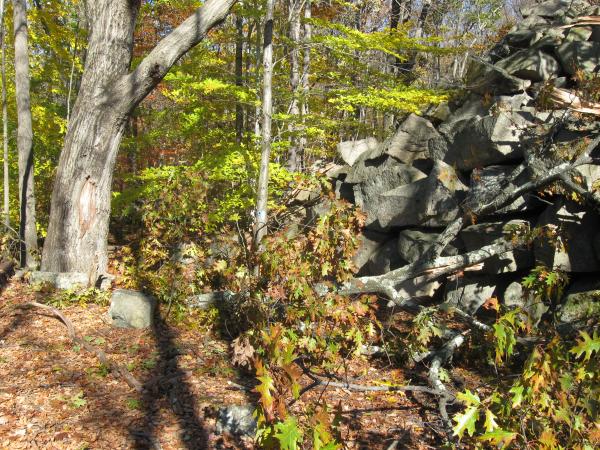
169	383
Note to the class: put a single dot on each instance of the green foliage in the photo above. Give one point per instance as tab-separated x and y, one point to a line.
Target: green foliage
77	296
555	400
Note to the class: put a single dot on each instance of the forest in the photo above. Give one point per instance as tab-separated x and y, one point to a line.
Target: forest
300	224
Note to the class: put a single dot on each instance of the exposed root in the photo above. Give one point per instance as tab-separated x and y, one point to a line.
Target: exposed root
114	367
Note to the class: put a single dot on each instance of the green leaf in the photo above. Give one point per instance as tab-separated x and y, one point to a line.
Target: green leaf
499	437
466	421
468	397
587	345
517	392
490	422
288	434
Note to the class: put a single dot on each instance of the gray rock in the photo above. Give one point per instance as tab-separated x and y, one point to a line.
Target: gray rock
476	236
413	243
410	142
237	420
577	227
578	55
522	37
205	301
439	112
579	33
590	174
581	302
370	241
419	287
382	180
516	296
352	151
487	182
473	106
484	78
131	309
385	258
553	8
483	141
531	64
431	201
468	293
61	280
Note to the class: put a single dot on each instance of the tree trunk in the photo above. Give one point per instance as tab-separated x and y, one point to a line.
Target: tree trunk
239	54
294	156
305	76
27	230
4	118
260	229
80	207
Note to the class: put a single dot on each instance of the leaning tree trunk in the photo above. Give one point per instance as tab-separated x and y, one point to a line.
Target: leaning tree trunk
27	231
80	207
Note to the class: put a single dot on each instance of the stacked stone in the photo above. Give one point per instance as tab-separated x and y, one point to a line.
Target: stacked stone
425	175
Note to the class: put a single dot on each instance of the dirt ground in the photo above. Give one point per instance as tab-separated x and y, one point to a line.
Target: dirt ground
57	395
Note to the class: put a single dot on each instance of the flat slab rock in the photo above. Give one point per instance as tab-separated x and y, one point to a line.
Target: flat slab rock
131	309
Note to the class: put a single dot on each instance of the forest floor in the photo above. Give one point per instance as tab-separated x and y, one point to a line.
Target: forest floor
57	395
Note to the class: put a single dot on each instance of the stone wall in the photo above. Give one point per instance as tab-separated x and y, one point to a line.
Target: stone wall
427	174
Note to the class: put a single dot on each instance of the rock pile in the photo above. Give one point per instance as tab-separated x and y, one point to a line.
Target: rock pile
434	167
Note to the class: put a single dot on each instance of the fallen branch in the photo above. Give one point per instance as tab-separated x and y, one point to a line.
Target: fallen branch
114	367
432	265
320	381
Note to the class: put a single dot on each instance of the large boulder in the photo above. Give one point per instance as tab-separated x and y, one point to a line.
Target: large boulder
482	141
554	9
469	292
531	64
581	302
412	244
370	241
479	235
517	297
431	201
411	141
384	259
578	55
352	151
571	248
131	309
384	179
484	78
489	181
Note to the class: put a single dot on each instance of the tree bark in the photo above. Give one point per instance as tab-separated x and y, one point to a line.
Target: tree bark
305	76
239	56
4	118
294	156
27	230
80	206
260	227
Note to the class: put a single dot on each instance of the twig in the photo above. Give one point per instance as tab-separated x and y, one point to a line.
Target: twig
114	367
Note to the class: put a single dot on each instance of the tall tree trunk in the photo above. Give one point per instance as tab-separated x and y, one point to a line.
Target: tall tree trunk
305	76
80	206
294	156
27	231
239	60
4	118
260	229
